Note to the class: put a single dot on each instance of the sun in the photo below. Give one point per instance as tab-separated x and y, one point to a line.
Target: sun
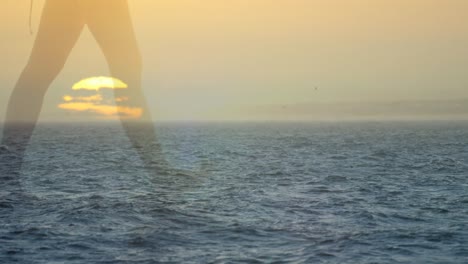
97	104
99	82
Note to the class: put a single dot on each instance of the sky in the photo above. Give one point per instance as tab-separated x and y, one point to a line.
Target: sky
273	59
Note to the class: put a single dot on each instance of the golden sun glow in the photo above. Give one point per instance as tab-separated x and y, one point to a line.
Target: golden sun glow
97	103
104	110
92	98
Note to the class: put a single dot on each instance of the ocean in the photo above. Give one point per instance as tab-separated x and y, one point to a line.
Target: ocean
267	192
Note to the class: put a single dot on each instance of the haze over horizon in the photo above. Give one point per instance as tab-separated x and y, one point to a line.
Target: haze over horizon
264	59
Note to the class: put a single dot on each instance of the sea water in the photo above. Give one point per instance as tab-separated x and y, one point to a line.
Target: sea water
331	192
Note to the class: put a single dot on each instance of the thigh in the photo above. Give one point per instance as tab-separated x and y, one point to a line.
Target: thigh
110	23
60	27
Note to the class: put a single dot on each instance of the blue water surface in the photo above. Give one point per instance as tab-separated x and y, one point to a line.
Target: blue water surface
352	192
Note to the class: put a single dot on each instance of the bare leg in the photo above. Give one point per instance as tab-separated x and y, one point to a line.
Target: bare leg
110	23
59	29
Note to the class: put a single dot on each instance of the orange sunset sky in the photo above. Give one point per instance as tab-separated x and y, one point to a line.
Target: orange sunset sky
248	59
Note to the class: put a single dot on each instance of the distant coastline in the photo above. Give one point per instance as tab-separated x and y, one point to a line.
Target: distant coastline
409	110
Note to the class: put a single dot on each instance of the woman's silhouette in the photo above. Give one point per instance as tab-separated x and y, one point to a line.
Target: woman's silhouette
60	27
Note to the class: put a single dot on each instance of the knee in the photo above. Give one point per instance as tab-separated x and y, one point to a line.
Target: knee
135	63
139	63
131	62
44	69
